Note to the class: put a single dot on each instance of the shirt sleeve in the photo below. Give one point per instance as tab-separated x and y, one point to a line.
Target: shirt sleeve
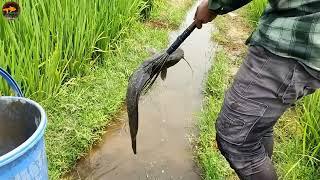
224	6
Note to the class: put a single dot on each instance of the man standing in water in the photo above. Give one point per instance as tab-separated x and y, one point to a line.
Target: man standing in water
282	66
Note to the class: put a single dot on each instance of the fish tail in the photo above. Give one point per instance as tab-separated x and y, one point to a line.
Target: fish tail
134	146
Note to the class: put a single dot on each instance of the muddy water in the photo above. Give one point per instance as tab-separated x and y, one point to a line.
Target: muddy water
167	124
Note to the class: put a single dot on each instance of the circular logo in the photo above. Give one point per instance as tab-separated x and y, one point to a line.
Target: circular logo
11	10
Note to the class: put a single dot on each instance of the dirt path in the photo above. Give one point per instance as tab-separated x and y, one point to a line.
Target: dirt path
167	121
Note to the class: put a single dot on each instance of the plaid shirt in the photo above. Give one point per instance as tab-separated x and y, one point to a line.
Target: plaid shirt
288	28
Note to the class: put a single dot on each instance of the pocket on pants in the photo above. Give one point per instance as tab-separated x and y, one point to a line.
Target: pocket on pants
301	84
238	116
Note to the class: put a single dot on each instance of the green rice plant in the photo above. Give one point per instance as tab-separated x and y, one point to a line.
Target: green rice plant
310	120
146	9
255	9
54	41
302	152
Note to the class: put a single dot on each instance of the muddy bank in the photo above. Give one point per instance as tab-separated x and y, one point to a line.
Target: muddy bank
167	123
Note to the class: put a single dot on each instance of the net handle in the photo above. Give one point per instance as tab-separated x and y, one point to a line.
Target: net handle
186	33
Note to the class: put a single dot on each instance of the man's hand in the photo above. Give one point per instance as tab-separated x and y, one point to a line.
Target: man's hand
203	14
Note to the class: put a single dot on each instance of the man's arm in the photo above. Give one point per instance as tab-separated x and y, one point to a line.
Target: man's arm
209	9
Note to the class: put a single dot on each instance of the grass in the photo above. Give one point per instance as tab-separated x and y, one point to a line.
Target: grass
80	111
84	106
254	10
146	9
288	153
309	119
213	164
309	116
54	41
296	153
174	13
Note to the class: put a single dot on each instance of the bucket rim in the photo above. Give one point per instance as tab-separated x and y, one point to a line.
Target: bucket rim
32	140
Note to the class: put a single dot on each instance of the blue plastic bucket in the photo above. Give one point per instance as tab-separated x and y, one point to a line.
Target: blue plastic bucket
22	126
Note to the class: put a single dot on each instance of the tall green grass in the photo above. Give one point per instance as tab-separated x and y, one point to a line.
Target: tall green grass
255	10
289	158
53	41
310	120
146	9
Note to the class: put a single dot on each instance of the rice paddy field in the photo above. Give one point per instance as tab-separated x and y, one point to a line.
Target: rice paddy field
75	56
54	41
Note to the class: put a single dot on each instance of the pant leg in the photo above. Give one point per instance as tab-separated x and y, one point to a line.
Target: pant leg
268	142
264	87
265	172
